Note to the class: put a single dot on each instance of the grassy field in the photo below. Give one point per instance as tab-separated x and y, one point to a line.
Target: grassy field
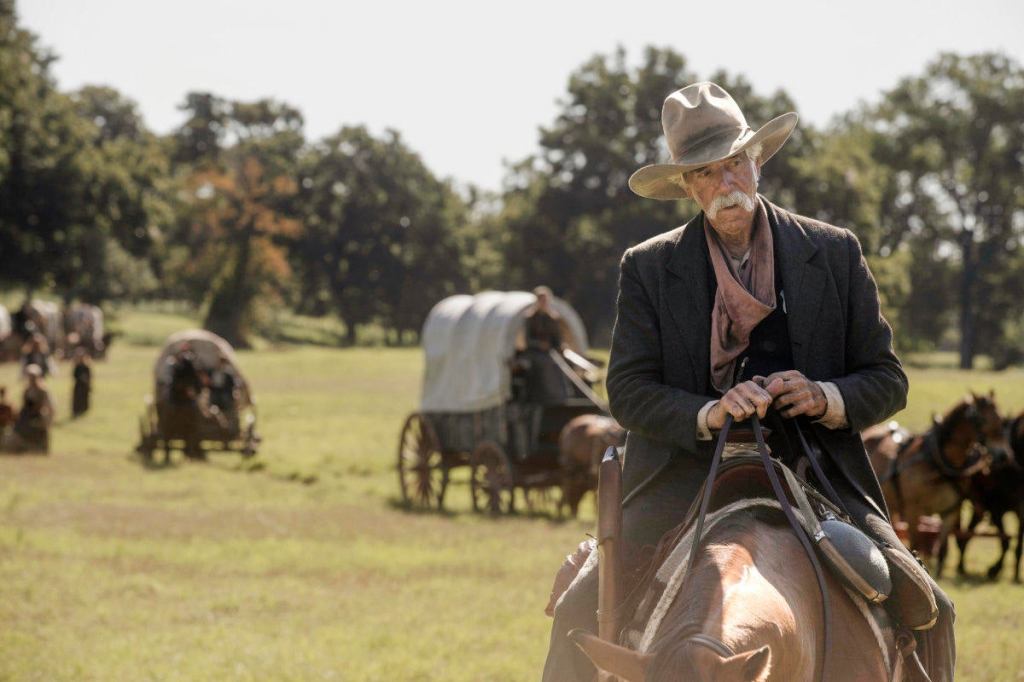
299	564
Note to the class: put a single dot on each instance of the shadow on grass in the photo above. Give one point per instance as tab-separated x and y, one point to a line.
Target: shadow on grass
980	580
401	505
548	515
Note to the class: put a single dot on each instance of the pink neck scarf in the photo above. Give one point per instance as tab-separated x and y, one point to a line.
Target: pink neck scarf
743	298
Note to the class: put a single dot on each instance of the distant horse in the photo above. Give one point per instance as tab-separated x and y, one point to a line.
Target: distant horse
997	492
580	446
931	473
750	611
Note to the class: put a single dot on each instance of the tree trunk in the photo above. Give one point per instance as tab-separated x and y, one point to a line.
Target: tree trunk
967	279
229	307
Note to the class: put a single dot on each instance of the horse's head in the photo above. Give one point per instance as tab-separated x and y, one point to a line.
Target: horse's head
973	431
688	661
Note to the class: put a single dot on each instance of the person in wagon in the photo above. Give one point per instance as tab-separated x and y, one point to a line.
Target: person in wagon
36	351
31	432
545	382
543	323
744	279
186	379
224	391
187	383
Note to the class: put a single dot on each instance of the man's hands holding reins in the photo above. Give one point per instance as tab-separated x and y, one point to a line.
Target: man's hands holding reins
790	392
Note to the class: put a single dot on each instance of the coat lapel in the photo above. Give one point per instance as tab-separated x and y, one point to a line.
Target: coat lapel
802	281
687	292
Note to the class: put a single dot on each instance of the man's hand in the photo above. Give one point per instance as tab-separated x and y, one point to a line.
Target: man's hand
794	394
741	401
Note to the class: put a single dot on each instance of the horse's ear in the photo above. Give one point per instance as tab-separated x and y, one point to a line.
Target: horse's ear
992	394
750	666
628	665
935	419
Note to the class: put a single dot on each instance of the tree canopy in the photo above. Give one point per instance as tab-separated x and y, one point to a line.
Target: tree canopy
238	213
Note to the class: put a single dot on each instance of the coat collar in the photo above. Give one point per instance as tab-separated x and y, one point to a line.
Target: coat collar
689	297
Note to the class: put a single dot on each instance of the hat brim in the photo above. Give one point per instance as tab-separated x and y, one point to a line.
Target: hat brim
664	180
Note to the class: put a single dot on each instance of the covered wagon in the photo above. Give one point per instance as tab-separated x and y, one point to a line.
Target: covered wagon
479	408
201	400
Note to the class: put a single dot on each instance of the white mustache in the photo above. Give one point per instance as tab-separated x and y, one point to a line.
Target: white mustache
734	198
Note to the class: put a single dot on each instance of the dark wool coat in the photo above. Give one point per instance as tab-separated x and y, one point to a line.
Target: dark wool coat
659	371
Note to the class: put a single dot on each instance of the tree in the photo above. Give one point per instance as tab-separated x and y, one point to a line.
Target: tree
568	210
74	188
954	138
237	165
127	196
236	207
379	240
39	162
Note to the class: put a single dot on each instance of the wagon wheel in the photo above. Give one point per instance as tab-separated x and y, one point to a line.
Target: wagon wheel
422	474
491	480
251	442
247	428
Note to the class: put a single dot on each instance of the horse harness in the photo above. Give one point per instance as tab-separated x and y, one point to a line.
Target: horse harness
712	643
929	449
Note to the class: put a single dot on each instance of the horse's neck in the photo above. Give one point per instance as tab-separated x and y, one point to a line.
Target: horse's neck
765	589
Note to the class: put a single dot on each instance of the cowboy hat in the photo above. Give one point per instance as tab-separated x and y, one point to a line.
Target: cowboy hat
703	124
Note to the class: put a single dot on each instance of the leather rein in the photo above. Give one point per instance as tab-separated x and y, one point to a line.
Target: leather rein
717	645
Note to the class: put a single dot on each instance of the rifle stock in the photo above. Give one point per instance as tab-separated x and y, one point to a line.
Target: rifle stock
609	544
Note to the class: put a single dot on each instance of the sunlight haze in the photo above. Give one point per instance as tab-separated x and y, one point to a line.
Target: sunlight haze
468	84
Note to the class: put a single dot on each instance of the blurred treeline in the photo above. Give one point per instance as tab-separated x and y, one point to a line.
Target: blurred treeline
238	213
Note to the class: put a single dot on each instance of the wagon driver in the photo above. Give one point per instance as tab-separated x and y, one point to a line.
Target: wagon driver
743	279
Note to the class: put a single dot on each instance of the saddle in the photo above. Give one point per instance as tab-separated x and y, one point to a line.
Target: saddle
846	550
876	571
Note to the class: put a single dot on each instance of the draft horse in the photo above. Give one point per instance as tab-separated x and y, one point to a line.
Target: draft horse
998	492
931	473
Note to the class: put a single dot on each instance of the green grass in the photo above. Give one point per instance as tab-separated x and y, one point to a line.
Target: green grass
298	565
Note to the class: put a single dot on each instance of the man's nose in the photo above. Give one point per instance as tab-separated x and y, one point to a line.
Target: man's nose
727	180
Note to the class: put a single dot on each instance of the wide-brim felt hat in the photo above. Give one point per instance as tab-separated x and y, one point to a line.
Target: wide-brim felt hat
703	124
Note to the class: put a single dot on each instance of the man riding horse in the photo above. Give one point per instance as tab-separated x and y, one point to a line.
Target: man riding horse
744	284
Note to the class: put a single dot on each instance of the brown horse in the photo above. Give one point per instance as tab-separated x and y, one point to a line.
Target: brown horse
750	611
930	473
996	493
580	446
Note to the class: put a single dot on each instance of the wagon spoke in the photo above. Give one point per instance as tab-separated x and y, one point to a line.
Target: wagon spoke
421	465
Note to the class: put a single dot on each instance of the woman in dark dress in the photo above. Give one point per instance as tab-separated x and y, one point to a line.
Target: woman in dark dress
83	384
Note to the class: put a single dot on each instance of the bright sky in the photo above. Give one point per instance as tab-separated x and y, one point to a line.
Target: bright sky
469	83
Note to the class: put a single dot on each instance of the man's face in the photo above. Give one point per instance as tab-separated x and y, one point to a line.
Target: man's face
725	191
